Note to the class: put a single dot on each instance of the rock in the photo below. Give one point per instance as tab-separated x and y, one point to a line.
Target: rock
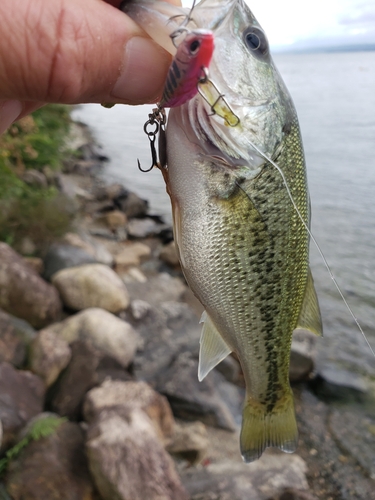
189	441
127	460
131	204
169	255
21	397
64	256
49	355
27	246
158	289
78	378
132	275
131	255
53	468
90	246
24	293
191	399
144	228
35	263
332	382
108	334
15	338
35	178
111	192
129	396
293	494
115	219
91	285
266	477
302	356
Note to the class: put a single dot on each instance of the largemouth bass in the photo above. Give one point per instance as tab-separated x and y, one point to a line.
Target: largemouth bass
243	243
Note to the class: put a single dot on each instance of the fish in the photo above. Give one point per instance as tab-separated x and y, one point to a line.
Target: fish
241	213
188	68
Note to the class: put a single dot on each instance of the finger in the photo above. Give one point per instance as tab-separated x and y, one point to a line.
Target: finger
72	51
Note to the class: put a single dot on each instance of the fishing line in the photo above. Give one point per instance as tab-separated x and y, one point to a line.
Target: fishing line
316	244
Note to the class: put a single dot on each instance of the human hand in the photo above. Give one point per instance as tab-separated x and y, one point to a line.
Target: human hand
74	51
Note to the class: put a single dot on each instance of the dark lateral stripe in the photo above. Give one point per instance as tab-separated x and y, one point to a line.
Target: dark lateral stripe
172	78
176	70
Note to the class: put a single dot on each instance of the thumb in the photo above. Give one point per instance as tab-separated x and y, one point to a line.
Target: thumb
72	51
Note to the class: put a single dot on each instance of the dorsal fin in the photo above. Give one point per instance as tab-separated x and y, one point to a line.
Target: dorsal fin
213	348
309	317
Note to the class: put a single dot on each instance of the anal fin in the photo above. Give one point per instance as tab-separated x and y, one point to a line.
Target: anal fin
213	348
309	318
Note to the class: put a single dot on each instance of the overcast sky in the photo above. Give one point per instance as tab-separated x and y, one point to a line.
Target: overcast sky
289	21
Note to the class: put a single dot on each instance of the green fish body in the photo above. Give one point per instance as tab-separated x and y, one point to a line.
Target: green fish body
242	245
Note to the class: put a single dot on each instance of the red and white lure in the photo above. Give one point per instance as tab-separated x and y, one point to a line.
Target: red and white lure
189	68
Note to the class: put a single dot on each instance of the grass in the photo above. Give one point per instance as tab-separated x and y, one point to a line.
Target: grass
30	211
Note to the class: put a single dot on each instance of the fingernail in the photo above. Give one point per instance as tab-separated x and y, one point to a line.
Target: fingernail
143	72
9	112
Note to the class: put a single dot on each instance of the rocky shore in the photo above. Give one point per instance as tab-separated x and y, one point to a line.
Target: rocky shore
99	345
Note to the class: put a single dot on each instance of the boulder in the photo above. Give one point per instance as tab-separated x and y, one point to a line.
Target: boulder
91	285
53	468
115	219
129	396
189	441
24	293
15	338
158	289
90	246
49	355
263	479
21	398
131	255
36	263
127	461
108	334
62	256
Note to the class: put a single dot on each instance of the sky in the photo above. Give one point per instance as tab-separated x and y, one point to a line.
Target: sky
287	22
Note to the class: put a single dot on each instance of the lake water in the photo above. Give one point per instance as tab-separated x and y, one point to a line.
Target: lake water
334	94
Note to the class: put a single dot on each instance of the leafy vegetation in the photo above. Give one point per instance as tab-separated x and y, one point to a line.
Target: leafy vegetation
42	428
32	210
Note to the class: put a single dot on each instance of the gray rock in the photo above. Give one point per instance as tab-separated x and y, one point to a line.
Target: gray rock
21	398
332	382
191	399
53	468
78	378
91	285
108	334
266	477
293	494
49	355
91	246
144	228
15	338
131	204
24	293
127	396
64	256
127	460
158	289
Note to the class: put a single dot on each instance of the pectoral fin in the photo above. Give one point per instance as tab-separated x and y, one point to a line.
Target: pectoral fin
309	318
213	348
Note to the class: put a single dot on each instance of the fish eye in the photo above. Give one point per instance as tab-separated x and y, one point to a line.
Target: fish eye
194	46
256	41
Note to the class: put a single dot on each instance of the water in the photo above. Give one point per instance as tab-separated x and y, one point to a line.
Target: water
335	98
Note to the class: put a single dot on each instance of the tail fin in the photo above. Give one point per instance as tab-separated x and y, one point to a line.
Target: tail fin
260	429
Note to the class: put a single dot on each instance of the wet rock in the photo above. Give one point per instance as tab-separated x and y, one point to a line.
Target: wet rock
90	246
78	378
144	228
53	468
158	289
131	255
191	399
169	255
189	441
64	256
91	285
21	398
127	460
15	338
24	293
131	204
265	478
302	356
49	355
108	334
35	178
127	396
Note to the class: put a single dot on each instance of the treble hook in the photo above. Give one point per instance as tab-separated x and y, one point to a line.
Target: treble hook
151	137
